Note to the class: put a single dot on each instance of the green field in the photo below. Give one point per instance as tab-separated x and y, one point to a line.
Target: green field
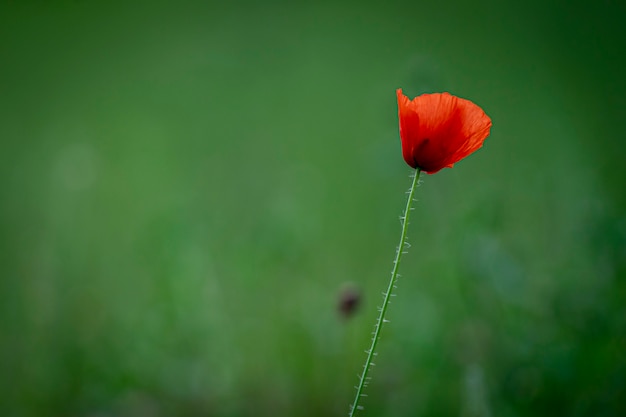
187	189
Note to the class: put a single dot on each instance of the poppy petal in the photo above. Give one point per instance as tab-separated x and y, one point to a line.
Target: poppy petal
438	130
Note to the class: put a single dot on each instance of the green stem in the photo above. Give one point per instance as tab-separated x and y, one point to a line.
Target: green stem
383	310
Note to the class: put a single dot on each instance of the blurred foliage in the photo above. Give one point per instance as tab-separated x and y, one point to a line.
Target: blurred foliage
186	191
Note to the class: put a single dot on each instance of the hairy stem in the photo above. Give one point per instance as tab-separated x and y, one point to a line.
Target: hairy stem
387	296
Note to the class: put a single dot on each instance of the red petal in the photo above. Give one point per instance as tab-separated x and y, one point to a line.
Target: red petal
438	130
409	124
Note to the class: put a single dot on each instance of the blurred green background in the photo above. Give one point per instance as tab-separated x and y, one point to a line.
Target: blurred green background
187	189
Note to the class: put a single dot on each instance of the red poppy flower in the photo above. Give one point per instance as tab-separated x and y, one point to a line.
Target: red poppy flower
438	130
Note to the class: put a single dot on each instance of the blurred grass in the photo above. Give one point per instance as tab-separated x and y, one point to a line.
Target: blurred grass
185	190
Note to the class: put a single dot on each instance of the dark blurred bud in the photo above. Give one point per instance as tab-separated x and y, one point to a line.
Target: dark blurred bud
349	300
